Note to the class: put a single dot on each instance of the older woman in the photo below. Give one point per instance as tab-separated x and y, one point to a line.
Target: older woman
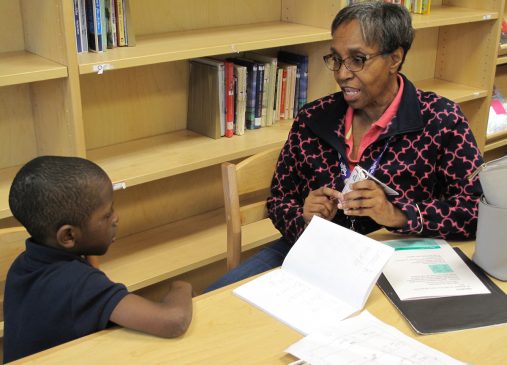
416	142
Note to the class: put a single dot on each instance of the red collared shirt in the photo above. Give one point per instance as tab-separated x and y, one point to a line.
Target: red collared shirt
376	129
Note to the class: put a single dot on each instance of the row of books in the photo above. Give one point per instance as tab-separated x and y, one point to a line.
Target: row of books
415	6
102	24
227	96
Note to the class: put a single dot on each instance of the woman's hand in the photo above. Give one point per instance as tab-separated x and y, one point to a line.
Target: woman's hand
367	199
321	202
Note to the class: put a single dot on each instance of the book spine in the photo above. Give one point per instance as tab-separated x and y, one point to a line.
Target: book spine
103	23
283	93
77	24
259	91
296	94
251	97
84	28
229	99
110	23
120	24
129	27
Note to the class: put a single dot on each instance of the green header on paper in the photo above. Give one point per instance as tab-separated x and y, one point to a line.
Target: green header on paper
413	244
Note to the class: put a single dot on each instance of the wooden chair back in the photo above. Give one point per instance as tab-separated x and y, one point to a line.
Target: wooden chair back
246	186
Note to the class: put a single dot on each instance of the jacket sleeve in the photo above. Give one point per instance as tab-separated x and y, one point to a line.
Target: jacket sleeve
285	205
453	214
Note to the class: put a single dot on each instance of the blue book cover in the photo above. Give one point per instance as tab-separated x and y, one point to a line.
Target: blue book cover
94	25
259	95
77	24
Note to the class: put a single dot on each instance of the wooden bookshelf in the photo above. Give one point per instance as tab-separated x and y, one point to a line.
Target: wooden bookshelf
157	157
23	67
444	15
458	93
131	119
176	46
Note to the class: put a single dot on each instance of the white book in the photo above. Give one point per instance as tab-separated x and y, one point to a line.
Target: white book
326	277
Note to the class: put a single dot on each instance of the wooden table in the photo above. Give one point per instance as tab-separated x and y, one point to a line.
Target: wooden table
227	330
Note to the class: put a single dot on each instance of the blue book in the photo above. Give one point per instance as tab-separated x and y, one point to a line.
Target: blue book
302	64
94	26
77	24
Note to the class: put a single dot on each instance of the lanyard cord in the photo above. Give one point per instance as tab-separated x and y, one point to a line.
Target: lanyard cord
345	171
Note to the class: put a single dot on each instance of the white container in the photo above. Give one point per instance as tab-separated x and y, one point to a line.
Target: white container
491	241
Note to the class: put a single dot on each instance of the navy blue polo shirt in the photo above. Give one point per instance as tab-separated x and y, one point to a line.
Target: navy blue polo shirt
51	297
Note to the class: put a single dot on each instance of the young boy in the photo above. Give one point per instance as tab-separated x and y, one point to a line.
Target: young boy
52	294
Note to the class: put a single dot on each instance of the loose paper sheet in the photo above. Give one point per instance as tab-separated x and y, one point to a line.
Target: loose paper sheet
366	340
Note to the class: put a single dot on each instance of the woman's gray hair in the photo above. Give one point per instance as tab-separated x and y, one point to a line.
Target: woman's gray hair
384	24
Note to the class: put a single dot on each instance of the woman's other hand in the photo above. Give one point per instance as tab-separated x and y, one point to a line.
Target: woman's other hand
367	199
321	202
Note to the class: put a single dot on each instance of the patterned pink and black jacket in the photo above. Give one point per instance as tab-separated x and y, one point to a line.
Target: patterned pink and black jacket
427	161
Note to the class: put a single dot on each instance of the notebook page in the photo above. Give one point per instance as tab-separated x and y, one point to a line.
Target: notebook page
337	260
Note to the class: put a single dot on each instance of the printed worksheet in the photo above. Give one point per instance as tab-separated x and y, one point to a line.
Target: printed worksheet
365	339
429	268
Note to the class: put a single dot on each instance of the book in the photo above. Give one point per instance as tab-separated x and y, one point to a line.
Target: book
94	25
229	98
301	62
120	23
259	93
205	113
327	276
110	13
251	90
80	26
130	34
444	314
240	99
282	94
270	78
278	93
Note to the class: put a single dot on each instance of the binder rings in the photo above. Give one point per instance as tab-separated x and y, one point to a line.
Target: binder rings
446	314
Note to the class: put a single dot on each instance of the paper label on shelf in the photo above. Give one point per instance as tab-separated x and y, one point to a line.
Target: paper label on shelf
102	67
119	185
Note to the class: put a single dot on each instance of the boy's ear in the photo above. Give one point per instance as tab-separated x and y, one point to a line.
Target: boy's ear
66	236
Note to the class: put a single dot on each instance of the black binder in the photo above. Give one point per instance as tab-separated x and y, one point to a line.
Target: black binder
446	314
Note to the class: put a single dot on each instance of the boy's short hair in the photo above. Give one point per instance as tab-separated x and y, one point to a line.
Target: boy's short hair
50	191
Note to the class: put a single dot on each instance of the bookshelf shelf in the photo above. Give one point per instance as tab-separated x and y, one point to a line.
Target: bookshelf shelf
177	248
174	153
501	60
496	140
451	15
175	46
458	93
22	67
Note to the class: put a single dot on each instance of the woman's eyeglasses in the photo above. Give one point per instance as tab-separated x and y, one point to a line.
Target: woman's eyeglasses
352	63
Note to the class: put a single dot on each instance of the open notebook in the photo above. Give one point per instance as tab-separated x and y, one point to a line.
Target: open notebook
327	276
